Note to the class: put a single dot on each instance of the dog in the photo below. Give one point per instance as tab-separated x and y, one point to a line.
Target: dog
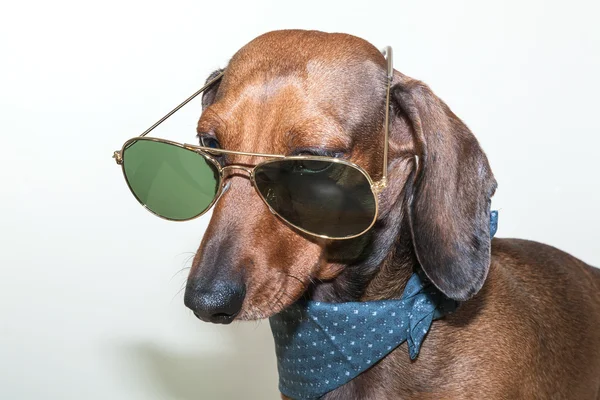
528	324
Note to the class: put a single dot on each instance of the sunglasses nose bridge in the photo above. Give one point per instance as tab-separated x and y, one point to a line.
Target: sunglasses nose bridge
230	169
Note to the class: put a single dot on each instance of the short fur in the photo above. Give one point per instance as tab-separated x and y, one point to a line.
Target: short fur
529	324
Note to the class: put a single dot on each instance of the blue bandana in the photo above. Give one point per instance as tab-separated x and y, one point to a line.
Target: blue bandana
321	346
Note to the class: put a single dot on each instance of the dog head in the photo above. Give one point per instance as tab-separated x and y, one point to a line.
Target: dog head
306	92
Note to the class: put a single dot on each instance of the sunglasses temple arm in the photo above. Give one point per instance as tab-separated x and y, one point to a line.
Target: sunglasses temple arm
173	111
387	52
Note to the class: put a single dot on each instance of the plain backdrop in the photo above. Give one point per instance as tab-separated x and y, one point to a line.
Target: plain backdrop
90	301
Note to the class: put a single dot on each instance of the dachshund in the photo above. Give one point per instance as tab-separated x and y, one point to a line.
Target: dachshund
528	324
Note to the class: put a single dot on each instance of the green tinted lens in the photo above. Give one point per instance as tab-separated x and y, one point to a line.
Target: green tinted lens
322	197
171	181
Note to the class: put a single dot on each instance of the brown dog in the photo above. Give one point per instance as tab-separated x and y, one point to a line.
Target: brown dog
529	324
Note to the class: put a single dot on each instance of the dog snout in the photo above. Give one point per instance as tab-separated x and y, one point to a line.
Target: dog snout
219	301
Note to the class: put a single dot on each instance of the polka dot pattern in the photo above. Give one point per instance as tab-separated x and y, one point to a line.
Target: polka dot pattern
493	223
320	346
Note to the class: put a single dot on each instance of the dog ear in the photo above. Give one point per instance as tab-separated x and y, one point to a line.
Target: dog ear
449	199
209	95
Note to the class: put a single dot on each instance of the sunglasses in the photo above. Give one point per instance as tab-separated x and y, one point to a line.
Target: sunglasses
325	197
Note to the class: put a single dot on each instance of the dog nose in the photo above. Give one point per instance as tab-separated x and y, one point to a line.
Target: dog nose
220	302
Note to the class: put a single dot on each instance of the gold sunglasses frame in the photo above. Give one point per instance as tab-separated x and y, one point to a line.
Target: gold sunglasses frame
206	152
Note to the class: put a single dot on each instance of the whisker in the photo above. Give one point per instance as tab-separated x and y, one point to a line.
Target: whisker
178	292
180	271
187	261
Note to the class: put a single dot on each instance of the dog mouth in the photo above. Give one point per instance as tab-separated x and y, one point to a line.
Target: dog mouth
264	308
219	318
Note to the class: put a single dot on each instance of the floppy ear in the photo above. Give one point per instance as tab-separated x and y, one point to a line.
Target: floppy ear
208	97
449	199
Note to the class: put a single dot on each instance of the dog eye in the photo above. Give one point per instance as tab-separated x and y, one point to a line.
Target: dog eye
312	166
319	153
210	142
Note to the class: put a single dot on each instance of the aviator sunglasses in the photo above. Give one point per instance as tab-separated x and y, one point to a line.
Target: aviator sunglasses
321	196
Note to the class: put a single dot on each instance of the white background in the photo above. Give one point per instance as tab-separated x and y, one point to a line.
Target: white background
90	306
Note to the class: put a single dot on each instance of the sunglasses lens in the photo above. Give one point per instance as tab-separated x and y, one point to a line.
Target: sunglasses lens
171	181
319	196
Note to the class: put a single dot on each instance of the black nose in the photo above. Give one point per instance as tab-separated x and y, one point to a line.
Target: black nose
220	302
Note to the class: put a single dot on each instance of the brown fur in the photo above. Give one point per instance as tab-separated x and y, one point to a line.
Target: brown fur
529	324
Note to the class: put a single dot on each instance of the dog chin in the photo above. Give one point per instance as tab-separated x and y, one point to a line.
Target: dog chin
256	313
253	315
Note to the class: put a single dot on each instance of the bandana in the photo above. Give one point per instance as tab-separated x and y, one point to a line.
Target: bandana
321	346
